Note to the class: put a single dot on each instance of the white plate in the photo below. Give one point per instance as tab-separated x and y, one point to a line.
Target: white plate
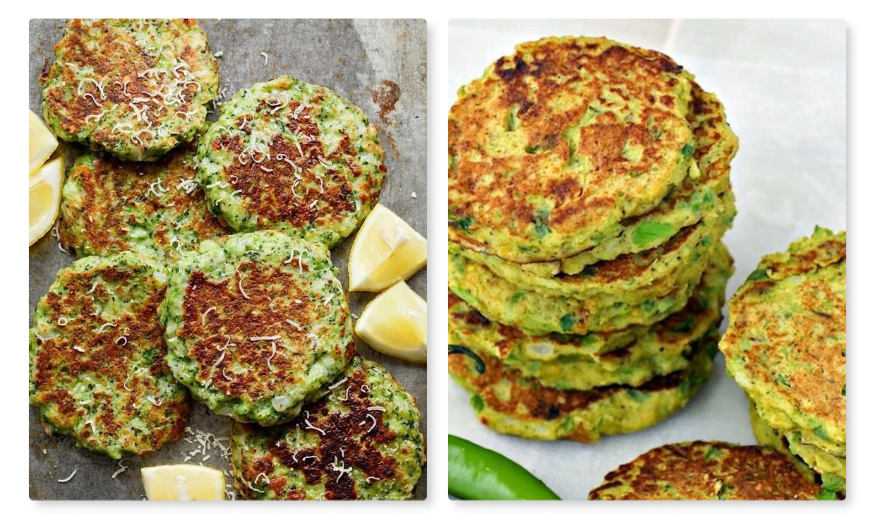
783	84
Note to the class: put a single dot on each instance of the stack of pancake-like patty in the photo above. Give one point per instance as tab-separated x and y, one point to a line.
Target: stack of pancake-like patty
589	188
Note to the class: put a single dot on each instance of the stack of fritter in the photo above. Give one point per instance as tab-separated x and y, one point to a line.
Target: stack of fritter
589	188
786	346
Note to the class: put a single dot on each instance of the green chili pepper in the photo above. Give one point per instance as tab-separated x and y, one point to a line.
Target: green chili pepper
477	473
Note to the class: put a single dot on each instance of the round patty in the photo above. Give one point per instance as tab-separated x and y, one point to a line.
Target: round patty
704	195
569	362
256	325
557	144
135	88
360	441
786	340
292	156
509	403
708	471
154	208
97	358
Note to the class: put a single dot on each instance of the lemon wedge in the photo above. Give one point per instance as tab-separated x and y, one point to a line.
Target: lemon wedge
386	250
183	482
394	323
45	198
42	142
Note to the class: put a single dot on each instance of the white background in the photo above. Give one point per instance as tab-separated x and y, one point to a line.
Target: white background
437	510
784	87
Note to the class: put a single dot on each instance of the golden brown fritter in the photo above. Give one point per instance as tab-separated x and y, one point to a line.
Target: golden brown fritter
97	358
295	157
708	471
256	324
361	441
558	143
786	339
154	208
135	88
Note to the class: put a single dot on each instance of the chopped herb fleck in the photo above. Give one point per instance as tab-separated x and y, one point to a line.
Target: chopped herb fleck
685	387
757	275
784	379
826	495
512	120
568	424
713	453
463	223
588	271
820	432
540	221
649	232
685	326
637	395
712	349
833	483
567	322
479	363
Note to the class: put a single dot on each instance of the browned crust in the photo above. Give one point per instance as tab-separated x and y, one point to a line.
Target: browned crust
711	131
540	402
817	390
240	318
268	187
801	362
829	252
554	67
110	55
58	364
708	470
111	185
347	438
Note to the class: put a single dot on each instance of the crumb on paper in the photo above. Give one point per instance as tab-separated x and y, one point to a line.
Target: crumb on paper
70	477
414	195
218	54
122	468
265	55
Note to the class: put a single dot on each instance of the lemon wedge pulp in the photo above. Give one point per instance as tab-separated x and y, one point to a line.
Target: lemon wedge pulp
386	250
183	482
45	198
42	142
394	323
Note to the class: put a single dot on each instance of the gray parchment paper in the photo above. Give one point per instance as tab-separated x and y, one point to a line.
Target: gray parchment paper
380	65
